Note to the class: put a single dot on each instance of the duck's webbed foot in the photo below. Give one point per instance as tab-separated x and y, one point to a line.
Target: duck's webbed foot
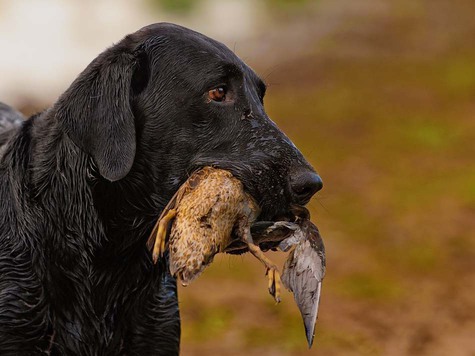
272	272
161	236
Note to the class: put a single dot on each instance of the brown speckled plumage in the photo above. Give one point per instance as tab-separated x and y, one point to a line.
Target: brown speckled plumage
206	216
204	213
206	209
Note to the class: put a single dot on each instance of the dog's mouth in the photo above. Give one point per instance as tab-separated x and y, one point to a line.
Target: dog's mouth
276	210
268	234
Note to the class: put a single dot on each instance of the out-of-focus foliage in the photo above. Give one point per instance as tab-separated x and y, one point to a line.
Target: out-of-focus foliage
186	6
384	108
174	5
287	3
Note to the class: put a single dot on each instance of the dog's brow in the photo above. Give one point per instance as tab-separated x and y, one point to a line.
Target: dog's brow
231	68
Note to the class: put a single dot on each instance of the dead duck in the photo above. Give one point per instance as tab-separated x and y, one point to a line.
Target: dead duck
205	212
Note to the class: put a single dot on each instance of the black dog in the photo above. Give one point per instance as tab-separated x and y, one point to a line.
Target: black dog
82	184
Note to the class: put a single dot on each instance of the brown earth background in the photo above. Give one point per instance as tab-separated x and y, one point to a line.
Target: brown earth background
380	97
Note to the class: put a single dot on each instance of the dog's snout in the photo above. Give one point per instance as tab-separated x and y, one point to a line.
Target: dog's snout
304	185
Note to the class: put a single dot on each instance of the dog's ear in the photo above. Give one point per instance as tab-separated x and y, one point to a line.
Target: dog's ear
96	111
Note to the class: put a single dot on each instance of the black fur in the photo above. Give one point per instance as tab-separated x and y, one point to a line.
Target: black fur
82	184
10	119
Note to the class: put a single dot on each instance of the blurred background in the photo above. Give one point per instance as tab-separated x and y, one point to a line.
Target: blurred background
380	97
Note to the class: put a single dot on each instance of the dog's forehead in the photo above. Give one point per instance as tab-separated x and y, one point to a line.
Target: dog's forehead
179	34
191	44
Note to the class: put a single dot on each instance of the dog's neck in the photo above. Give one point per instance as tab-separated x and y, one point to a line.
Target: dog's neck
120	219
72	222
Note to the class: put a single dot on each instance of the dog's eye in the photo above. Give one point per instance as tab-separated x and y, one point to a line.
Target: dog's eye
218	94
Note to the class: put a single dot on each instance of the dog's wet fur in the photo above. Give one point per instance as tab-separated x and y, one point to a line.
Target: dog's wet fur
82	184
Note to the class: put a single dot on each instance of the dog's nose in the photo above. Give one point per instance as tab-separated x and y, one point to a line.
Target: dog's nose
304	185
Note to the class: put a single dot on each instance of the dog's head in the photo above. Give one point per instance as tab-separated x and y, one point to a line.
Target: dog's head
166	101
